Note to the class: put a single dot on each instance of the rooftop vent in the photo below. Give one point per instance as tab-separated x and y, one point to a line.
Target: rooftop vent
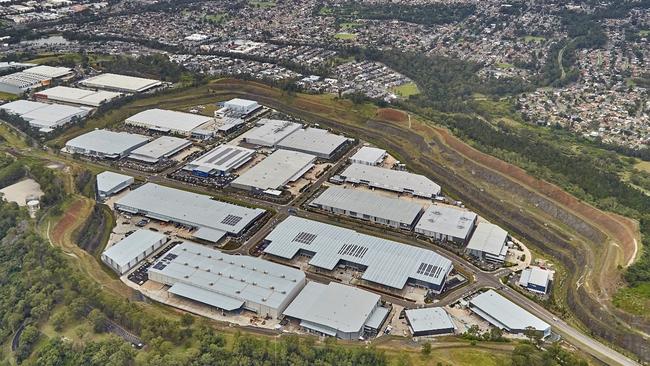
186	264
272	287
263	299
196	267
207	269
185	249
186	276
243	280
238	292
283	292
211	283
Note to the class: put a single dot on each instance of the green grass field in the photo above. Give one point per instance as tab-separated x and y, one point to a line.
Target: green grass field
349	25
644	32
406	90
529	39
8	96
505	65
345	36
635	300
217	18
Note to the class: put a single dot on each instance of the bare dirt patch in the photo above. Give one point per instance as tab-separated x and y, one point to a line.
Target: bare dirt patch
392	115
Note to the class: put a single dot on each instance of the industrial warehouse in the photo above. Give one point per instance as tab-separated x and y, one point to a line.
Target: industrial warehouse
43	116
213	219
429	322
163	147
109	183
105	144
128	252
504	314
274	172
369	206
228	282
368	155
383	262
167	121
269	132
314	141
35	77
221	160
488	243
76	96
536	279
120	83
338	310
446	223
239	107
391	180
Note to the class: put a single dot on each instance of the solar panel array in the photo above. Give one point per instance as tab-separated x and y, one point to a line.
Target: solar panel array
231	220
429	270
304	238
354	250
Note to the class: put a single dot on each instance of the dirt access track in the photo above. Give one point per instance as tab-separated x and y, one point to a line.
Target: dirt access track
589	243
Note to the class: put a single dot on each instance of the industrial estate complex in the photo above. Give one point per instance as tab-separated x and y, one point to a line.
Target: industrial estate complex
174	247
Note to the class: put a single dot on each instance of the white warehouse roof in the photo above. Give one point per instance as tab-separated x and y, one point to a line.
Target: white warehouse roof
446	220
368	155
166	120
335	306
107	142
77	96
488	238
387	262
276	170
162	147
223	158
503	313
314	141
226	281
536	276
392	180
429	319
50	72
270	132
107	181
44	115
132	246
369	203
120	82
169	204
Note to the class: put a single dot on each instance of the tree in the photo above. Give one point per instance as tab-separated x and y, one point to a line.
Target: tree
187	320
98	320
533	335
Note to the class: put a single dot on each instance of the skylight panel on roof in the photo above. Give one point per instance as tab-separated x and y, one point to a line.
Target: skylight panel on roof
304	238
231	220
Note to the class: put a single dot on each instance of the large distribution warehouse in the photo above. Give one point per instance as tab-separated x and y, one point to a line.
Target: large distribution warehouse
505	314
228	282
105	144
338	310
314	141
369	156
369	206
489	242
275	171
128	252
167	121
221	160
391	180
213	219
46	117
32	78
120	83
77	96
446	223
270	132
158	149
383	262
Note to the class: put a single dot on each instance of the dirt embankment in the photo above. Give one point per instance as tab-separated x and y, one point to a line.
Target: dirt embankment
497	190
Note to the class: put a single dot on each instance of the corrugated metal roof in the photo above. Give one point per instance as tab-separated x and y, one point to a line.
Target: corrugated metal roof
124	82
392	180
167	119
159	148
205	296
488	238
506	313
427	319
197	209
369	155
335	306
235	276
223	158
313	140
388	263
369	203
447	221
132	246
107	181
108	142
208	234
269	132
275	170
536	276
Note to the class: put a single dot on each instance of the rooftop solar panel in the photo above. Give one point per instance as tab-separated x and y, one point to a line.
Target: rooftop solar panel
305	238
231	220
